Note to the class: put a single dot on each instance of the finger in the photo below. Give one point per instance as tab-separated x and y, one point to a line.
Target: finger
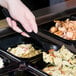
25	24
24	34
18	30
32	23
9	21
13	25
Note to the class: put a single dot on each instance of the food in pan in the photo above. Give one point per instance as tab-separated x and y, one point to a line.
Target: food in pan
1	63
24	51
61	62
65	29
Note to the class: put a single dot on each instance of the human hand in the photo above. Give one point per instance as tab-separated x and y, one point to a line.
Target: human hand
21	13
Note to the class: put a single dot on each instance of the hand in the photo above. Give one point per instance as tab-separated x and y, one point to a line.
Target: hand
21	13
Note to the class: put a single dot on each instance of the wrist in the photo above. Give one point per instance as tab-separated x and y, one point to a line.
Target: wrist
3	3
10	1
6	3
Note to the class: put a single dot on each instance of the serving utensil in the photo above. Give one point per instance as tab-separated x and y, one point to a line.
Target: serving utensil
33	35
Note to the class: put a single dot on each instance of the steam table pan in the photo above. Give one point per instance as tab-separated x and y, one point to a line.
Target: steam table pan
46	27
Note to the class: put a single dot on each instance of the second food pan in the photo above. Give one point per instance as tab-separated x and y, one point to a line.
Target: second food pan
46	29
56	63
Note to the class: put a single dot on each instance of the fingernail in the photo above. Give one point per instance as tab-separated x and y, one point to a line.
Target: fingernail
24	34
36	30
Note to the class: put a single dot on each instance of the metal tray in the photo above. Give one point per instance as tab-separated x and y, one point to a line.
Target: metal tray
34	65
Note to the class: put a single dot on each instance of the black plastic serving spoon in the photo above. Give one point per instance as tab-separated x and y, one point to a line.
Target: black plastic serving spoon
33	35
